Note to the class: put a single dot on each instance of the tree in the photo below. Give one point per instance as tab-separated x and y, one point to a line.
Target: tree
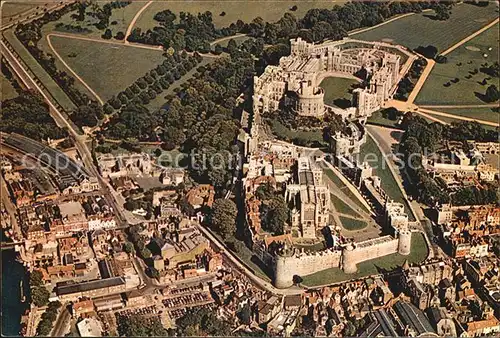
224	214
153	272
275	214
245	314
491	94
442	12
120	36
145	253
218	49
36	278
128	247
107	34
137	326
40	296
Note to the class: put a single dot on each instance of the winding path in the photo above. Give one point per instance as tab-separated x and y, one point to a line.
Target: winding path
72	71
132	23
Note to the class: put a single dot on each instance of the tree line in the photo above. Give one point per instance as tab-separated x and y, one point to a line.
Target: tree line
28	114
195	32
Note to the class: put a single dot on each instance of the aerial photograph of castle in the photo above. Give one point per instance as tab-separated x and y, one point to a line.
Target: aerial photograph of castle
250	168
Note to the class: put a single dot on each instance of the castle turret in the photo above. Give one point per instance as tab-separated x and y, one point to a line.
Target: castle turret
404	245
283	275
349	259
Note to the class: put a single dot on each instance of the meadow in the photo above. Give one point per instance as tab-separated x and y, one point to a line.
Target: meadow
7	90
461	64
246	11
107	69
14	8
422	30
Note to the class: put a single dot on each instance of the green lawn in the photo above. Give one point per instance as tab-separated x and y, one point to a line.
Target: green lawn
352	224
331	175
107	69
7	90
342	207
486	114
378	119
268	10
35	68
451	120
372	267
337	88
461	61
371	153
311	247
420	30
313	138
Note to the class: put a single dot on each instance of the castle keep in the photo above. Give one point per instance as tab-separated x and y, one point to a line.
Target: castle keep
294	83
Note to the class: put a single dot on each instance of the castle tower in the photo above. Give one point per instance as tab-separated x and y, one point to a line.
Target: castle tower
349	259
404	244
283	274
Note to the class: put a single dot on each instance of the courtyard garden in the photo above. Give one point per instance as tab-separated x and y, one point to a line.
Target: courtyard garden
352	224
338	91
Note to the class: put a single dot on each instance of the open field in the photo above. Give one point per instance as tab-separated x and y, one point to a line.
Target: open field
451	120
337	91
235	10
342	207
352	224
421	30
35	68
13	8
461	62
375	266
371	153
107	69
486	114
7	91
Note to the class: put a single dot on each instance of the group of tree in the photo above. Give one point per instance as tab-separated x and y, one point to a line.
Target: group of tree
223	217
422	137
195	32
140	326
153	83
102	14
274	212
48	317
492	94
30	34
39	293
407	83
202	322
28	114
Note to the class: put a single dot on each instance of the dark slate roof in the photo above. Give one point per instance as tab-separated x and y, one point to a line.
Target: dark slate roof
413	317
87	286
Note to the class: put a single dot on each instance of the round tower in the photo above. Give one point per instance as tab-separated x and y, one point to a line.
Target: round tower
404	244
283	275
349	259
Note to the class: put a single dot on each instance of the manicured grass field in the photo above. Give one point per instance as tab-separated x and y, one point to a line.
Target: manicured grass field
486	114
52	87
352	224
461	61
375	266
7	91
421	30
371	153
342	207
107	69
451	120
378	119
235	10
337	88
